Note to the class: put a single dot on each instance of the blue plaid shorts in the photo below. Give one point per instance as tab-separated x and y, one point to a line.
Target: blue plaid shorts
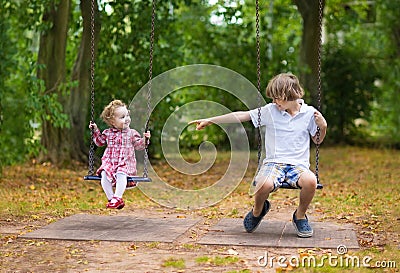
278	173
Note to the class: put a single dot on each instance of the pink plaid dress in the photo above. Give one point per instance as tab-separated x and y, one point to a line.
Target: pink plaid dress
119	156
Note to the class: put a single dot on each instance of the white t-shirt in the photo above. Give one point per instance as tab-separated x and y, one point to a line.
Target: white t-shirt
287	138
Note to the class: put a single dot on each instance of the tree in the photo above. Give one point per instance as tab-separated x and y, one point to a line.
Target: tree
63	134
309	10
80	93
50	88
6	63
64	126
51	58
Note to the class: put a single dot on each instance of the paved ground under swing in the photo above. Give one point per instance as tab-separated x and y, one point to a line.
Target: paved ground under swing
168	228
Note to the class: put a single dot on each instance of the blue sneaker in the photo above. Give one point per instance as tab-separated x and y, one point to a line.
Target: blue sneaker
251	222
303	229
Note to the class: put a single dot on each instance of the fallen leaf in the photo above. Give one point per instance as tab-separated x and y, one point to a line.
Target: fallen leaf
232	252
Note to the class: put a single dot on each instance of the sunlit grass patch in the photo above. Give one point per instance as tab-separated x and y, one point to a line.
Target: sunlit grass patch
174	262
190	246
153	244
217	260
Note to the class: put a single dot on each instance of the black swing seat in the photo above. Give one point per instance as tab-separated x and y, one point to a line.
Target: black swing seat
131	180
286	185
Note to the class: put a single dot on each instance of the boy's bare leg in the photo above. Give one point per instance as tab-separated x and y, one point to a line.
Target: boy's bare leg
308	184
261	195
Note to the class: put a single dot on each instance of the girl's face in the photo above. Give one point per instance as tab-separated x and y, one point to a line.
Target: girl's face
121	118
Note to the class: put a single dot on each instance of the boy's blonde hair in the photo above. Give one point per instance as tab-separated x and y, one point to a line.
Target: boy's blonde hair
108	113
284	86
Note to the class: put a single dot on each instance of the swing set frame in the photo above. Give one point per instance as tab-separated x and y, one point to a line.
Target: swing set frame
286	185
132	180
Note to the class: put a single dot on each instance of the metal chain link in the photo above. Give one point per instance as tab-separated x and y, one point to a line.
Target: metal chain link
146	150
320	15
259	96
92	64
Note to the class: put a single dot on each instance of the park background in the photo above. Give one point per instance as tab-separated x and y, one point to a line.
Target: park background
46	52
45	90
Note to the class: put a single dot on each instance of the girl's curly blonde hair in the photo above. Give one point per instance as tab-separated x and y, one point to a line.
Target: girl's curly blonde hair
284	86
108	113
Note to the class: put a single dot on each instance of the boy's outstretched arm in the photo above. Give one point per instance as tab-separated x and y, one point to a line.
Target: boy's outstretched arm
322	124
234	117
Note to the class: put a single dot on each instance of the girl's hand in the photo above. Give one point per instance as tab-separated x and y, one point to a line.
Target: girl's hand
200	123
147	135
320	120
92	125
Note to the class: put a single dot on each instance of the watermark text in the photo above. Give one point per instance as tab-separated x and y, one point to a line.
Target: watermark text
340	259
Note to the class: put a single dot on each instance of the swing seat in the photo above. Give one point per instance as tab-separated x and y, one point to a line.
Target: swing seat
286	185
131	180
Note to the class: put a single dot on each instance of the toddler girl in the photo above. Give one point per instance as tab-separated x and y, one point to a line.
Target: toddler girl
118	161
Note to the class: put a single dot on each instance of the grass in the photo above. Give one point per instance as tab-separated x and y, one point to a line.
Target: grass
360	187
153	244
174	262
190	246
217	260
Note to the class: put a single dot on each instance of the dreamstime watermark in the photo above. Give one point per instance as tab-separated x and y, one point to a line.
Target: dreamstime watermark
169	84
341	259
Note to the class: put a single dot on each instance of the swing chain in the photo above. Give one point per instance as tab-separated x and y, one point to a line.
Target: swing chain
146	149
320	14
259	98
92	65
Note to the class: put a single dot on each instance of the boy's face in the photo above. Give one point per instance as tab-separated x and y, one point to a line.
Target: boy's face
121	118
281	104
284	105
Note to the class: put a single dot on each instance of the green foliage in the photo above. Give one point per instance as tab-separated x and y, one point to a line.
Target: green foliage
360	62
45	105
349	90
24	100
230	29
359	68
184	33
14	129
385	119
6	63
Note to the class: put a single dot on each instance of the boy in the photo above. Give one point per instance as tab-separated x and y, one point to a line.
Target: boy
289	123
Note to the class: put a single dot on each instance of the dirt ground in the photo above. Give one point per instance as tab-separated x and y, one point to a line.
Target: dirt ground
184	255
375	231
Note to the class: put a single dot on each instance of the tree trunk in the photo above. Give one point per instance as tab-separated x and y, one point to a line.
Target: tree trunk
52	56
79	100
64	145
309	10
